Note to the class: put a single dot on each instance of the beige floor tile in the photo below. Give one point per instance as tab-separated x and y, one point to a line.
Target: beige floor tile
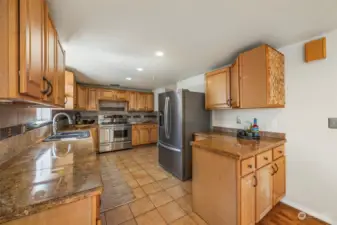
152	188
171	212
160	198
145	180
186	220
187	185
129	222
139	174
185	203
118	215
159	176
138	192
197	219
169	182
176	192
150	218
132	183
135	168
141	206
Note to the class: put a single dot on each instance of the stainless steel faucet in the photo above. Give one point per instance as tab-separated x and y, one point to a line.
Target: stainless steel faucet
54	120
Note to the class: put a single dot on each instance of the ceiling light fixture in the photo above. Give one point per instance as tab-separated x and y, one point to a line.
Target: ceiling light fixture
140	69
159	53
128	78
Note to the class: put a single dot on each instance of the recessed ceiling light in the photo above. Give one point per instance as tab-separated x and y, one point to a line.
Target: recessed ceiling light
140	69
128	78
159	53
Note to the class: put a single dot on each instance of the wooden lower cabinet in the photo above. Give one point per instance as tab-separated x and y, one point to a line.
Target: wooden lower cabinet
241	194
144	134
82	212
248	199
264	192
279	180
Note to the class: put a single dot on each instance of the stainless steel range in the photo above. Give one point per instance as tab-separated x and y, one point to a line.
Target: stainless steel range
114	133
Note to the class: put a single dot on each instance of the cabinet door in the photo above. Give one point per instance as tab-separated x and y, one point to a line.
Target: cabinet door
264	192
135	137
149	102
144	136
92	99
217	89
121	95
253	83
141	102
59	80
248	199
235	85
132	101
32	22
81	97
51	56
70	90
279	185
154	135
107	94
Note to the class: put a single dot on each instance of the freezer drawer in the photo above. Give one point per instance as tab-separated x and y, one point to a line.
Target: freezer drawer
171	160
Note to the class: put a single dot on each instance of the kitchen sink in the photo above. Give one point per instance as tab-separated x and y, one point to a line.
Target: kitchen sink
67	136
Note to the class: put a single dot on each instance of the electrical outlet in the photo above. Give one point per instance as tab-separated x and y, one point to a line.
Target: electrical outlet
238	120
332	123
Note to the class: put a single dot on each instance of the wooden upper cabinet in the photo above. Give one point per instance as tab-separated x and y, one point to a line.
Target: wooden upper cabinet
51	56
92	99
81	97
150	102
59	78
218	89
235	85
141	101
121	95
107	94
279	180
264	192
70	90
248	200
132	101
261	78
32	35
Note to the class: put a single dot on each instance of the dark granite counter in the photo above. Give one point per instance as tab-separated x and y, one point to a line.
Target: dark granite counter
47	175
229	145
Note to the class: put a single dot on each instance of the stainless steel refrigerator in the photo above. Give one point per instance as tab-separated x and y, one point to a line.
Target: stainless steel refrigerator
181	113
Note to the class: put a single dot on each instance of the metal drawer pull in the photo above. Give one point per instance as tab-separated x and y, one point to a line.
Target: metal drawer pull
255	181
250	166
265	158
47	89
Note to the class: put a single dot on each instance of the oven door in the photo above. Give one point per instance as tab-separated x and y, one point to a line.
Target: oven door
104	135
120	134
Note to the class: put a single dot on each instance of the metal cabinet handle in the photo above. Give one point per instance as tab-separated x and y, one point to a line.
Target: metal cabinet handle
65	99
250	166
280	151
229	102
274	170
47	89
51	89
265	158
255	181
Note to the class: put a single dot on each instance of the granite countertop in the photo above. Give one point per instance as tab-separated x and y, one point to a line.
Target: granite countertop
46	175
229	145
144	123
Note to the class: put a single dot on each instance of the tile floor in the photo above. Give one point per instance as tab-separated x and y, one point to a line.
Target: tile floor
138	191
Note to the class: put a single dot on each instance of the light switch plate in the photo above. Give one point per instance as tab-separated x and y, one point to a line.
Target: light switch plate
332	123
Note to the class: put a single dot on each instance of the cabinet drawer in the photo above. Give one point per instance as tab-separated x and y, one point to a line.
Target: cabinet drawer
278	152
247	166
264	159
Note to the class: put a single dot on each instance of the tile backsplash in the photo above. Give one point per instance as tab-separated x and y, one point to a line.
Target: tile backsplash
15	116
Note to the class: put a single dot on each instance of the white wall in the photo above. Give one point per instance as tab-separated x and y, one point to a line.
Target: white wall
157	91
311	98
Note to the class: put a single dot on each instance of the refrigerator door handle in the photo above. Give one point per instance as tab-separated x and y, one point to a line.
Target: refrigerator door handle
168	147
165	116
168	118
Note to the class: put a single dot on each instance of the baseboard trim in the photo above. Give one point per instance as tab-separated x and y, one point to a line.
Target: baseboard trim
308	211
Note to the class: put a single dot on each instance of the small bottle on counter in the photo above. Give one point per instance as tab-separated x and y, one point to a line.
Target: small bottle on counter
255	129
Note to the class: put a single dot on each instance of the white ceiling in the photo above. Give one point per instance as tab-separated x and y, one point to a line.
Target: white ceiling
106	40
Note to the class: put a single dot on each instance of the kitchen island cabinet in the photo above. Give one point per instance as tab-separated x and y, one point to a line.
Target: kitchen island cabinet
247	178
